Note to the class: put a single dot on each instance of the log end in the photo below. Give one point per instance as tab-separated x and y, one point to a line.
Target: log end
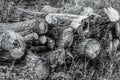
13	43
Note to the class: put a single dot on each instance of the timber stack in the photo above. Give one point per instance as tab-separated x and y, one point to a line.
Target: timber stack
48	39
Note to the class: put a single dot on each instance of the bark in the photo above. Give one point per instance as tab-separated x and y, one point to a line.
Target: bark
14	43
31	36
20	27
43	39
13	36
26	27
57	18
74	20
32	12
46	9
50	9
90	47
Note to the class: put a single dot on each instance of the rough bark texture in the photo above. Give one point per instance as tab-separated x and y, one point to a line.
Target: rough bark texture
72	20
25	27
20	27
13	36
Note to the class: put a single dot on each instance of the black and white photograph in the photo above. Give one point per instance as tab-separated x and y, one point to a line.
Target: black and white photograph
59	39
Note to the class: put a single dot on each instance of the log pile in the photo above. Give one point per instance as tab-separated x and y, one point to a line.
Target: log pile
50	39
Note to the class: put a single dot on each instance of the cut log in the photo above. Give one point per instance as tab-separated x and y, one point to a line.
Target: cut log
50	43
67	37
42	69
31	12
31	58
63	36
90	47
50	9
26	27
43	27
118	29
76	20
31	36
54	18
13	43
112	13
72	9
56	56
46	9
21	27
38	64
43	39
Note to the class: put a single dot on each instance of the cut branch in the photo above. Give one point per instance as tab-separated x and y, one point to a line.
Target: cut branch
25	27
31	12
75	20
21	27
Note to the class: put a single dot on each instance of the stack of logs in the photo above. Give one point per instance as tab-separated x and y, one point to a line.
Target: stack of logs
48	37
39	35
